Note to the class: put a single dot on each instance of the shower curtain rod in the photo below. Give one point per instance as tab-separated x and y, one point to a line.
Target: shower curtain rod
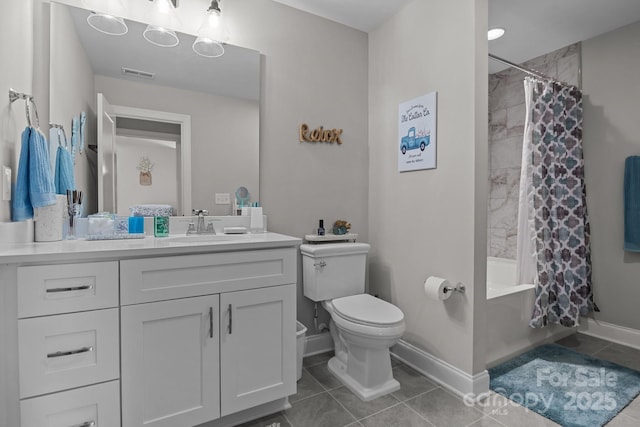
527	70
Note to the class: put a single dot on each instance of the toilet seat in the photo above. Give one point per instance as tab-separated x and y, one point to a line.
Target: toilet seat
367	310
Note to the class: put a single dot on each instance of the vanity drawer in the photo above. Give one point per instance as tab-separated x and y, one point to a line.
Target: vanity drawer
157	279
97	404
65	288
67	351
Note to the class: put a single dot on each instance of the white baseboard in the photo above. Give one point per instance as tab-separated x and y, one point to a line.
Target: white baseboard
450	377
610	332
317	344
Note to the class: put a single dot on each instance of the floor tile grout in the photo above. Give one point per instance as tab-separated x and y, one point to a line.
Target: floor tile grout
416	412
344	407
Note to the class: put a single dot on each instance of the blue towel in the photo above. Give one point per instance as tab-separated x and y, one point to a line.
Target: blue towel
64	178
75	134
632	204
34	183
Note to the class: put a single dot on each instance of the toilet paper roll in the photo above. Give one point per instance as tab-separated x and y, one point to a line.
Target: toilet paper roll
436	288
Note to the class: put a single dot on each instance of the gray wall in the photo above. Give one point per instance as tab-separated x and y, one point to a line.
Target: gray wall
315	72
16	51
432	222
610	65
506	129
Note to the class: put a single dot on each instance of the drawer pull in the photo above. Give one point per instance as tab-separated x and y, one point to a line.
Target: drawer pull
230	319
85	424
69	353
77	288
210	322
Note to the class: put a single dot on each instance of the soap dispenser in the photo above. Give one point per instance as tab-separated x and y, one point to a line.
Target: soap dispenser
321	228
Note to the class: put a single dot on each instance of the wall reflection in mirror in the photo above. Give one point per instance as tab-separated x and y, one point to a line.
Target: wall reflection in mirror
219	95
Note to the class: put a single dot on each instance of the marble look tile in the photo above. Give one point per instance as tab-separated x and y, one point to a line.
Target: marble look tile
503	213
508	95
622	355
497	242
568	69
317	359
583	343
323	376
397	416
516	116
505	153
318	411
412	383
498	125
504	183
444	409
622	421
307	387
268	421
503	243
633	410
361	409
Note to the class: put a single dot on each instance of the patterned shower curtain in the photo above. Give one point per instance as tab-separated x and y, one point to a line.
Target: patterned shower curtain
559	226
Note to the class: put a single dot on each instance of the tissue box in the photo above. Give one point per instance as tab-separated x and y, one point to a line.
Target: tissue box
101	224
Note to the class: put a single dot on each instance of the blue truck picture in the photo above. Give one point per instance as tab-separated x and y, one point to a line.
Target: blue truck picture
411	141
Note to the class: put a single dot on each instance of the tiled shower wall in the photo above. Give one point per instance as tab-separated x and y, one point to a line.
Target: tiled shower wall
506	129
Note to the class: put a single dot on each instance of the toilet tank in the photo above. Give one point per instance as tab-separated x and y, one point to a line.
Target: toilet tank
333	270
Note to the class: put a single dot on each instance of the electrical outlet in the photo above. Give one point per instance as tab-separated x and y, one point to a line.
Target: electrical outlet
223	199
6	183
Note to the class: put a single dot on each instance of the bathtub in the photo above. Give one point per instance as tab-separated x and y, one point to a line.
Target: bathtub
508	312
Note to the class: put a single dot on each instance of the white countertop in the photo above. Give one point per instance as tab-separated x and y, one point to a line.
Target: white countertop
78	250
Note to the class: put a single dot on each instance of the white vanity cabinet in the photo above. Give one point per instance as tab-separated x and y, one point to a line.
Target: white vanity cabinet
151	332
206	336
68	344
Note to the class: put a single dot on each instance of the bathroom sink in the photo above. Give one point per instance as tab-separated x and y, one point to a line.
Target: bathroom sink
195	238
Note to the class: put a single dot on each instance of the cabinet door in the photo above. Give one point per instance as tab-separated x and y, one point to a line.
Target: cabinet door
170	363
257	346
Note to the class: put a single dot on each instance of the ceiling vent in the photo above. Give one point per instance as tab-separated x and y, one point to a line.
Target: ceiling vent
137	73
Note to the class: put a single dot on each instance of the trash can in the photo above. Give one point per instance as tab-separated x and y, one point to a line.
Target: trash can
301	330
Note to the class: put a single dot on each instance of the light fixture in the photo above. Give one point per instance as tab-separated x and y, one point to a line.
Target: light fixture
160	33
107	24
212	33
495	33
104	17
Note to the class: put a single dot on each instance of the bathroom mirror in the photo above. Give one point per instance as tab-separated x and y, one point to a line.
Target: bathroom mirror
219	95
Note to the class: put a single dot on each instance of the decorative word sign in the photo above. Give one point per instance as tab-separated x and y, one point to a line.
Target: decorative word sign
320	135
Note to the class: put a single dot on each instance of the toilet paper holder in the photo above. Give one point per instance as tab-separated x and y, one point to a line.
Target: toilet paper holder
458	288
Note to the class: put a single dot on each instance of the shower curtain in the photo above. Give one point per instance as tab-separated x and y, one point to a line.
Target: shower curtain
553	233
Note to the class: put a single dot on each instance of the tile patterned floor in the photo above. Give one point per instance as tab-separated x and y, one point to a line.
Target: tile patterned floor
322	401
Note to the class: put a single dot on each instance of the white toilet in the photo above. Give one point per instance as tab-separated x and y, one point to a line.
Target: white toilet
363	327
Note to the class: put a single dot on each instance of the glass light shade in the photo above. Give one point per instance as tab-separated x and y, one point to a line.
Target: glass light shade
160	36
208	48
213	27
107	24
164	14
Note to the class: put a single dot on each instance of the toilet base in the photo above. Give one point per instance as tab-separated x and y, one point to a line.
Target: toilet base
339	369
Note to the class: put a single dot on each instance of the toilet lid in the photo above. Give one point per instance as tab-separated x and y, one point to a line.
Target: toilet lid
367	310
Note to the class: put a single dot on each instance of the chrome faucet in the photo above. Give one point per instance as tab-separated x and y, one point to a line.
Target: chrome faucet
200	227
